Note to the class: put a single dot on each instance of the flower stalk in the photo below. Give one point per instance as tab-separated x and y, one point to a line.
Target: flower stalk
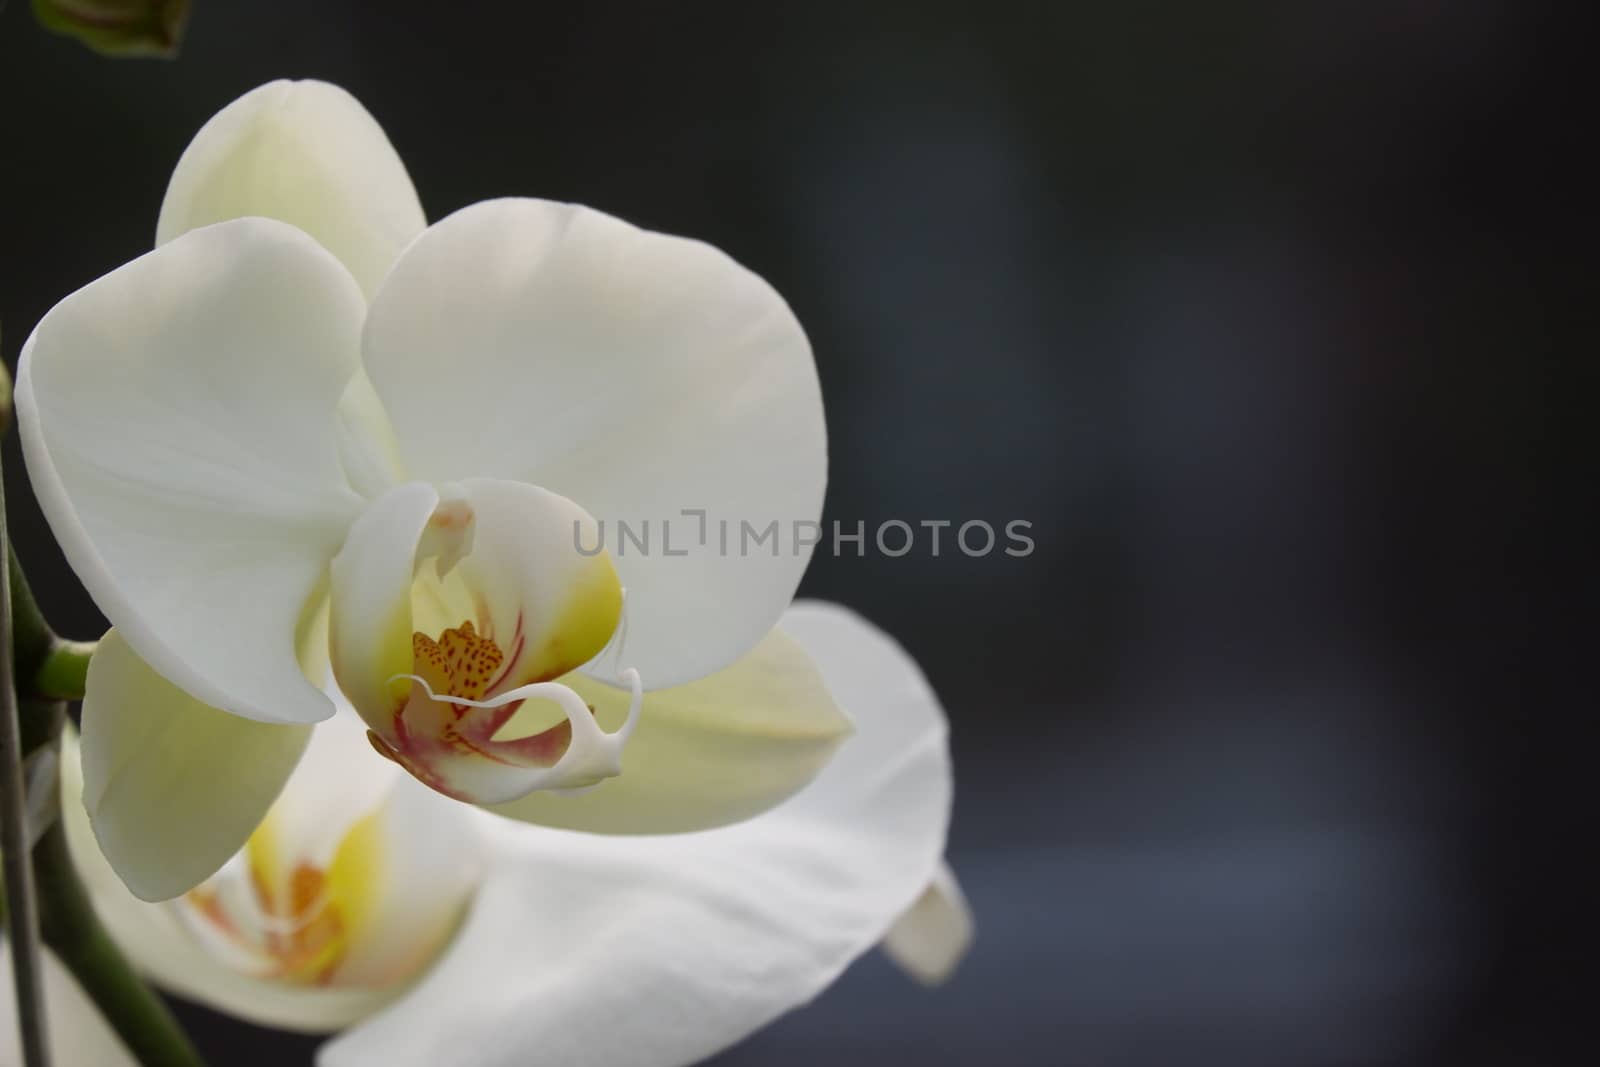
22	918
62	672
29	638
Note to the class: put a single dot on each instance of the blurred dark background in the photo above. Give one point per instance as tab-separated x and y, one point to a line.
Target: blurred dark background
1252	309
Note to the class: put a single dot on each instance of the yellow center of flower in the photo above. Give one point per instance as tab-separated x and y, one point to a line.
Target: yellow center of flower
291	921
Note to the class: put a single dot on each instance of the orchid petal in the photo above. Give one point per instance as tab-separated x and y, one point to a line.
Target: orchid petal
178	419
427	865
659	951
172	787
930	939
306	153
635	373
367	447
707	753
370	621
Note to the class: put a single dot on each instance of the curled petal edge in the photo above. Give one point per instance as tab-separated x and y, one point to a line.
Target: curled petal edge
592	755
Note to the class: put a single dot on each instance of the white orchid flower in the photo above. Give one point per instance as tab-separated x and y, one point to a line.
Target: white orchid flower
306	413
546	368
626	951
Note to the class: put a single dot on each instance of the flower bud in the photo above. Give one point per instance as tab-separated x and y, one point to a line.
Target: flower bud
118	27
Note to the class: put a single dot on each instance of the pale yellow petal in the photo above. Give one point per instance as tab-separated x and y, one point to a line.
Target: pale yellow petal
172	786
306	153
708	753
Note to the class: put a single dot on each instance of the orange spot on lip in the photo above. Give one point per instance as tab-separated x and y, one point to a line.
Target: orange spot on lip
459	663
431	730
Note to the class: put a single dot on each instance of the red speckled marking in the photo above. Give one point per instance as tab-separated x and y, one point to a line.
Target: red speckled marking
429	735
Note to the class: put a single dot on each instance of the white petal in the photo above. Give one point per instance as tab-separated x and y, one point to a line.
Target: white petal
659	951
178	419
931	938
338	781
429	861
708	753
306	153
173	787
509	592
635	373
367	446
78	1033
370	621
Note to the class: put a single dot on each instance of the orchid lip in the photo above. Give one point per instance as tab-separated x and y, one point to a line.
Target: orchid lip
592	755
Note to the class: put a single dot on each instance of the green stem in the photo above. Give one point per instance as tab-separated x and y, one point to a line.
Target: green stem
22	917
73	932
49	667
31	637
64	670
